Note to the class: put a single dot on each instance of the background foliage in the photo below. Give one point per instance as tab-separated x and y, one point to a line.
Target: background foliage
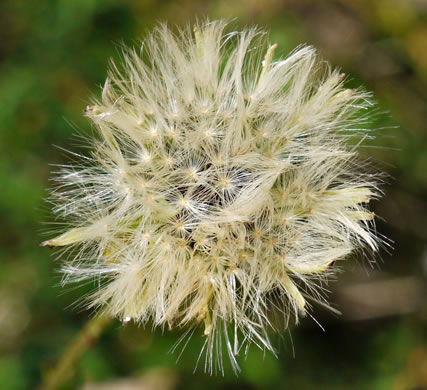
54	54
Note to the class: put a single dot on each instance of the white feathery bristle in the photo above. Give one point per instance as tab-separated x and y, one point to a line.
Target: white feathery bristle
221	185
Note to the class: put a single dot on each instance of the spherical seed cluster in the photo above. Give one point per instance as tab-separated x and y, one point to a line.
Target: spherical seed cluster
221	185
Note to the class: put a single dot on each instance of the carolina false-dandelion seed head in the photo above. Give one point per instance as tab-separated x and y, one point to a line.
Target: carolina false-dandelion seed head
221	185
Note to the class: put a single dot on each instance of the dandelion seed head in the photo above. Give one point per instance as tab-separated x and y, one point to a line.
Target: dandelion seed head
221	180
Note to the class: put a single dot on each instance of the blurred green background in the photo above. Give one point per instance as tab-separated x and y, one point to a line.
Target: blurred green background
54	56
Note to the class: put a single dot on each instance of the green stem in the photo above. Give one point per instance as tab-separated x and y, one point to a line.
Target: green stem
66	365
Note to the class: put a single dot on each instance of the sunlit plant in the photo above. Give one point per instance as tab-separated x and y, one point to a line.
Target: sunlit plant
221	186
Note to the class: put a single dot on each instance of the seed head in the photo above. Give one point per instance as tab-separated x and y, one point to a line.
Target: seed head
221	186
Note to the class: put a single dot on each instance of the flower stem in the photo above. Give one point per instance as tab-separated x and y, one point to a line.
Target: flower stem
86	339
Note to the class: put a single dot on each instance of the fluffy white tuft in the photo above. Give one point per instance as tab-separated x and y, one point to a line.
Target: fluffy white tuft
221	187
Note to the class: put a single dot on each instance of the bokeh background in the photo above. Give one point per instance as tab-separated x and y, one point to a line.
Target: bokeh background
54	56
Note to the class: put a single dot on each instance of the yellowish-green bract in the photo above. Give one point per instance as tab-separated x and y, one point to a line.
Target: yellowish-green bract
220	187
